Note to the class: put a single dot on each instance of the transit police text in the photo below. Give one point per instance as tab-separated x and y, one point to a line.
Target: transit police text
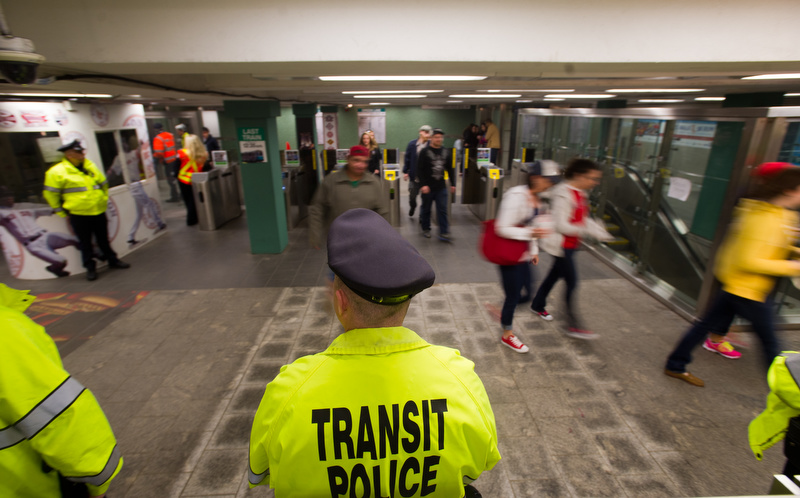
422	431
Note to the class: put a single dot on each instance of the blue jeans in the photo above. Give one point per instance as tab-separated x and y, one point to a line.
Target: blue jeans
441	198
718	319
515	278
563	267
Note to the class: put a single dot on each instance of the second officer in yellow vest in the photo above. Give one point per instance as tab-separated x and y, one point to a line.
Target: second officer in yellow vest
380	412
78	189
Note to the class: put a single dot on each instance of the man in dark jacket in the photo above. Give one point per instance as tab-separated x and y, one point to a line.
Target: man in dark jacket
211	144
432	163
410	165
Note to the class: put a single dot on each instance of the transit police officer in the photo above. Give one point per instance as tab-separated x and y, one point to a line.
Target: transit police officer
54	437
380	412
75	187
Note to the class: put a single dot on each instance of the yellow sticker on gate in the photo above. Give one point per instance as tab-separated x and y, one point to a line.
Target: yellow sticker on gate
665	173
390	174
619	172
494	174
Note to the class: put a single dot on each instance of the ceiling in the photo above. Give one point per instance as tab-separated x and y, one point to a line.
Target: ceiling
209	84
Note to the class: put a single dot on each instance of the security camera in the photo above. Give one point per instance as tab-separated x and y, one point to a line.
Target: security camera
18	61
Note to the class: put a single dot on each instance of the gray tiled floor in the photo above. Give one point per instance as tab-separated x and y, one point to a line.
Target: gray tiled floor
181	373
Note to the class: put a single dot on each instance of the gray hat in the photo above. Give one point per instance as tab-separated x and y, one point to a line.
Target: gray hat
426	128
437	131
181	127
546	168
74	145
375	261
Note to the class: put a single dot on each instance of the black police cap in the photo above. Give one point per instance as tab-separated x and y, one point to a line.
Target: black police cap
373	260
75	145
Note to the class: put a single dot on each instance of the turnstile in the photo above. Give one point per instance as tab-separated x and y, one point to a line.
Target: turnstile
491	193
391	191
518	174
231	201
293	195
207	191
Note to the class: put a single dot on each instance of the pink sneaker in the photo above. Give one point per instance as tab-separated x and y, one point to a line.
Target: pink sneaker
515	344
581	333
724	348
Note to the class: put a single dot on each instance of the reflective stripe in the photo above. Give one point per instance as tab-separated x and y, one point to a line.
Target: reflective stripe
98	187
73	190
105	474
41	415
59	210
792	363
52	189
256	478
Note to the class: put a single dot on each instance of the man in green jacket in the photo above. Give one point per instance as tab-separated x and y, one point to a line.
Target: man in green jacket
381	412
53	434
348	188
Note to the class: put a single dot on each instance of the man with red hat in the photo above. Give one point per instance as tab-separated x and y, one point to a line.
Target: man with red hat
346	189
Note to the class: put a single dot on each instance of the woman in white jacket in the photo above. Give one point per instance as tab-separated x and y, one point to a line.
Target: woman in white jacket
570	208
516	220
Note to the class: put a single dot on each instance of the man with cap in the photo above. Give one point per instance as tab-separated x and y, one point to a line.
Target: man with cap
380	412
77	189
165	152
410	165
433	161
345	189
182	132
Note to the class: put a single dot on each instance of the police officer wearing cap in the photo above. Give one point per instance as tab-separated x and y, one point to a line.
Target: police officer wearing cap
76	188
380	412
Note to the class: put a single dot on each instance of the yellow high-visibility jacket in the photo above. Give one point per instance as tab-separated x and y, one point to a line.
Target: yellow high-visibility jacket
49	422
380	412
70	191
783	403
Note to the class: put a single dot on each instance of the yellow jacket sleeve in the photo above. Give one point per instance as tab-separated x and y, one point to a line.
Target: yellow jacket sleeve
758	247
52	191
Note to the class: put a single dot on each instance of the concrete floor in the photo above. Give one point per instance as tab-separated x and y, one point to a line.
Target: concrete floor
181	372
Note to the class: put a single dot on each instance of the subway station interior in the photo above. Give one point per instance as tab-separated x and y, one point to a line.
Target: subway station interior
676	101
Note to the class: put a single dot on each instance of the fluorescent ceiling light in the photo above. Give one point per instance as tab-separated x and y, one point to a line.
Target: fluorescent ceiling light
403	96
454	101
580	96
362	92
553	100
791	94
495	96
64	95
540	90
524	101
379	103
134	96
655	90
402	78
660	101
711	99
784	76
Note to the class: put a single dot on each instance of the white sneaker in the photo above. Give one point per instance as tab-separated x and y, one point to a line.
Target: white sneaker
515	344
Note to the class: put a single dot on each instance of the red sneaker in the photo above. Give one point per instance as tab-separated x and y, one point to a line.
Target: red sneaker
724	348
515	344
581	333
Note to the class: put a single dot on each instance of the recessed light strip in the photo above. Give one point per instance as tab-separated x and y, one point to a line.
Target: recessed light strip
375	92
655	90
580	96
402	78
710	99
61	95
492	96
784	76
660	101
403	96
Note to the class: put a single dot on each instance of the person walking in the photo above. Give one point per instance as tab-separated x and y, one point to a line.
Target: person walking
368	141
77	189
192	157
55	440
754	253
166	154
492	140
433	162
517	220
572	223
380	412
413	149
345	189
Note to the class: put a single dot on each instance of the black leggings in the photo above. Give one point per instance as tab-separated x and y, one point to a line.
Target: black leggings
563	267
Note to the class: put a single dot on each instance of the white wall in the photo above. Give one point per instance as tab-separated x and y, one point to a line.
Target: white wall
391	30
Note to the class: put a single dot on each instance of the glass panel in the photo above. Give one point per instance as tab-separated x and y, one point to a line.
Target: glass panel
110	157
26	158
787	297
647	135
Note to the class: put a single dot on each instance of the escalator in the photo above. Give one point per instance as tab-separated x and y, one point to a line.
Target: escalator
648	235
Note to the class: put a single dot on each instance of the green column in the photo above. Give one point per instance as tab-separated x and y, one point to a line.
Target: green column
261	173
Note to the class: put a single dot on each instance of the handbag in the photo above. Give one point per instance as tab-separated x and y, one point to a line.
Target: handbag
499	250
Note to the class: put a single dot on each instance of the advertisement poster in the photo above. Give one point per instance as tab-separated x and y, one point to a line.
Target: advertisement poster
253	145
330	130
220	158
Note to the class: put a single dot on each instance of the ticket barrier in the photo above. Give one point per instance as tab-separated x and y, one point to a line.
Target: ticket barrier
491	193
519	174
391	191
231	199
210	201
293	195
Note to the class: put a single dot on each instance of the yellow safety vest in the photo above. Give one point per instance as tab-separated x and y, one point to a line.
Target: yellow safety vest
783	403
49	422
187	169
70	191
380	412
